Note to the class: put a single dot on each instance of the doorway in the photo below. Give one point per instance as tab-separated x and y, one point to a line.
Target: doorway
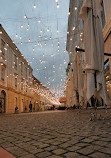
2	101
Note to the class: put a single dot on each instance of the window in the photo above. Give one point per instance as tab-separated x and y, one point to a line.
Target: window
22	84
103	15
21	68
15	81
2	73
2	47
26	88
33	81
26	72
15	61
15	101
29	73
106	65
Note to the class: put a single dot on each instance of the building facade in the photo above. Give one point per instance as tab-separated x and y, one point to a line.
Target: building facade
73	91
18	87
107	44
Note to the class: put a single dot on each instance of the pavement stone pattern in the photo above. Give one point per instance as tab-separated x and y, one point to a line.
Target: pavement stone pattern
56	134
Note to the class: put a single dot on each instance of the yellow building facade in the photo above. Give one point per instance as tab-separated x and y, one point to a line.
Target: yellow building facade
18	87
107	45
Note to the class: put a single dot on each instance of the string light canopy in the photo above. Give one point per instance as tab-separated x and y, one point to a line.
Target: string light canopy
44	44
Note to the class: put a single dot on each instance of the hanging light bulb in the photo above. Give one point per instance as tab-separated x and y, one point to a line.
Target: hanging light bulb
58	44
28	25
16	35
57	31
21	43
58	6
29	40
39	21
20	37
34	6
25	16
56	1
69	13
50	38
40	31
21	26
33	49
48	30
27	28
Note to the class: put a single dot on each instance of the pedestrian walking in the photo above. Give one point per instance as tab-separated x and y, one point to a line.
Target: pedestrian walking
30	107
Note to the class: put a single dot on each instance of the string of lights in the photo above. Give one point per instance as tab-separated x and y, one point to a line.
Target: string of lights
44	37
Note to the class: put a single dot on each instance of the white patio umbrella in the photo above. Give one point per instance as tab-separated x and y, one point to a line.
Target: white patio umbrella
75	80
70	90
94	48
78	78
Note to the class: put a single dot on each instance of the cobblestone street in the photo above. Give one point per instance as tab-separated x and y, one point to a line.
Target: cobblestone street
56	134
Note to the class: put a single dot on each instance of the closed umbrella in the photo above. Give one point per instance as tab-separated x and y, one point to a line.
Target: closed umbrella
75	79
94	48
68	93
78	78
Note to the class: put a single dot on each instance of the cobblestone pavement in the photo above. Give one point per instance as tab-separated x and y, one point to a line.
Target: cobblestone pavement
58	134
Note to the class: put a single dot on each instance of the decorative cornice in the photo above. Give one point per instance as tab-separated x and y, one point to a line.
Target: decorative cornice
13	90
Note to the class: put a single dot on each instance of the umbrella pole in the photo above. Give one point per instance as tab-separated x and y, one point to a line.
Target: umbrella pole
96	100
